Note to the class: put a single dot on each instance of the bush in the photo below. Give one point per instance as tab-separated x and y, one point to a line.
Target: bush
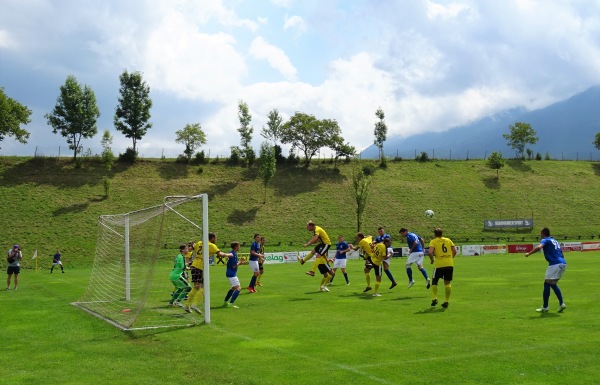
538	156
201	158
279	158
368	169
398	159
200	170
216	160
106	184
383	163
182	159
424	157
293	159
250	156
547	156
234	158
129	156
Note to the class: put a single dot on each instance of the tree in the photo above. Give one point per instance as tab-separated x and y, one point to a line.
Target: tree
12	115
273	130
520	135
309	134
132	115
495	161
108	158
75	114
245	131
597	141
380	132
341	149
192	137
267	166
360	184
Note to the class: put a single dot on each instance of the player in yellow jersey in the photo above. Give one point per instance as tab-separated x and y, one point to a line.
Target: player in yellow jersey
261	261
365	247
323	242
444	251
380	254
197	272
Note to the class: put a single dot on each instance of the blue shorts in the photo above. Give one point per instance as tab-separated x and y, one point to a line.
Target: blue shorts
13	270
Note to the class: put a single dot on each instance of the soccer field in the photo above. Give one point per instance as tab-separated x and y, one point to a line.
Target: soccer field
290	333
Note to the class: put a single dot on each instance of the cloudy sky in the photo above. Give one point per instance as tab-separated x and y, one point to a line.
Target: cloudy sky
429	64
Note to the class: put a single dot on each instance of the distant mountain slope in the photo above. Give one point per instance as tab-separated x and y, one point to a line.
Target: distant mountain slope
565	130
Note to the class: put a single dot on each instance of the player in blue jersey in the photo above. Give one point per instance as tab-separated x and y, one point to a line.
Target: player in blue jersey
232	265
255	257
386	263
56	261
340	258
556	267
415	255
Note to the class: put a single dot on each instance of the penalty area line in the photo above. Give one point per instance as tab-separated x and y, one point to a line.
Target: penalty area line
352	369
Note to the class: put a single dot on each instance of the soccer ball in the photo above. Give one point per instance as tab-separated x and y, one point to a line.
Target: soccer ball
429	213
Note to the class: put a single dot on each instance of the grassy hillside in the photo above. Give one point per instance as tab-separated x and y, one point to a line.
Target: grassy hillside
48	203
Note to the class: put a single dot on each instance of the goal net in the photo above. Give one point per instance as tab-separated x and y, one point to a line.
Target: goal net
129	285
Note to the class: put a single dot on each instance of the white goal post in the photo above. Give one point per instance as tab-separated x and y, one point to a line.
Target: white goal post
129	286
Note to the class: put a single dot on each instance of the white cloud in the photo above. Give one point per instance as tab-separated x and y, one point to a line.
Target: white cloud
295	22
452	10
6	41
261	49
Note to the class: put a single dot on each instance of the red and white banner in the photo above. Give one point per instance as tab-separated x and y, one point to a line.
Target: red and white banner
523	248
590	246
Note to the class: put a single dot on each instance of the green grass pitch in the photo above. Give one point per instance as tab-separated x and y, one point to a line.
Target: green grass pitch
290	333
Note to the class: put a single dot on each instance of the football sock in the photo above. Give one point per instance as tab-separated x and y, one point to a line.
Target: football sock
315	266
558	293
198	296
368	276
329	278
175	295
229	295
183	293
235	295
376	290
323	281
409	273
346	276
332	277
253	281
546	294
424	272
258	278
191	296
389	275
434	291
448	291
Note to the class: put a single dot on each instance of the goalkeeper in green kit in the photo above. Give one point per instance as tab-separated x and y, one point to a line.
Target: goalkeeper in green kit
182	286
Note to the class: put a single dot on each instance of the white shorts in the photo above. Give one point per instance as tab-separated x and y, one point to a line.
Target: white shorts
556	271
339	263
254	266
415	257
56	263
234	281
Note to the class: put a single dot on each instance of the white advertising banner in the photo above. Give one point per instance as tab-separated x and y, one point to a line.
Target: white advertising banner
590	246
472	250
571	246
274	258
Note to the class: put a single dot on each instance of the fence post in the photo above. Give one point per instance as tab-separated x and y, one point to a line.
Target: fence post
35	153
